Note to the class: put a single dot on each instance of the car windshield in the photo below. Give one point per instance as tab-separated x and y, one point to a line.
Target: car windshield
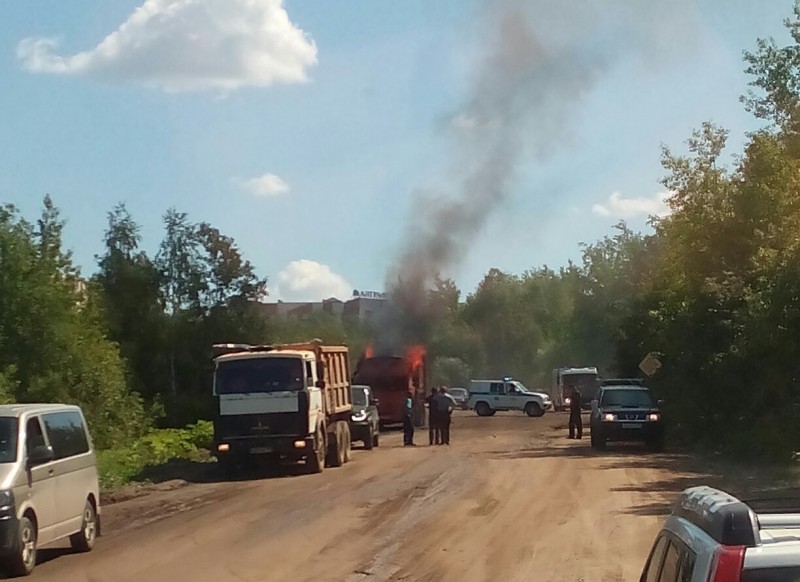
520	386
253	375
628	398
8	439
359	396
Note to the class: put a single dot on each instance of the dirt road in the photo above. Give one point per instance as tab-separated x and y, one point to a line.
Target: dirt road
511	499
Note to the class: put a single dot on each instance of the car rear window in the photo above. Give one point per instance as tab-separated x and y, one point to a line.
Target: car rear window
790	574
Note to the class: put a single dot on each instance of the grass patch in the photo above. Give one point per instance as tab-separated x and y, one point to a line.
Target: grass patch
124	465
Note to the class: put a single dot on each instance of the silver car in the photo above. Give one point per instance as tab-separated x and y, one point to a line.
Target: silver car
49	489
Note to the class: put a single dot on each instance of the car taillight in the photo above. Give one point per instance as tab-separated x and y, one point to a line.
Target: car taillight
727	564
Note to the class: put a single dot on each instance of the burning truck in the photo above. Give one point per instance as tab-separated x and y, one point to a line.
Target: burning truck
391	377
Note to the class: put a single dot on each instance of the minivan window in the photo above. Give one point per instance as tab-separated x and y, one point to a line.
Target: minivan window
34	436
67	434
8	439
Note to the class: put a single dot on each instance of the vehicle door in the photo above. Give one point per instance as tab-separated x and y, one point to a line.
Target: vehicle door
74	467
515	397
497	395
41	486
372	410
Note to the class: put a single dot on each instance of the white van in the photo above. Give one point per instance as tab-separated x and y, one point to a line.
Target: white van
48	482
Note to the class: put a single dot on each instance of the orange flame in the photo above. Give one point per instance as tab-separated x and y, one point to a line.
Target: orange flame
368	352
414	357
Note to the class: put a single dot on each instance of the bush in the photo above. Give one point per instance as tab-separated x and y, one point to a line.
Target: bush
123	465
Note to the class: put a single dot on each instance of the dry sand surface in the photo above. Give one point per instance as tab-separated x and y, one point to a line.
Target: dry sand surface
511	499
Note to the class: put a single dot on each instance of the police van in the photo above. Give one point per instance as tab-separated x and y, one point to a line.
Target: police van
486	397
714	537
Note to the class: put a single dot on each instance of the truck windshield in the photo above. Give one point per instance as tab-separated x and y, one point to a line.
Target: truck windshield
8	439
628	398
259	375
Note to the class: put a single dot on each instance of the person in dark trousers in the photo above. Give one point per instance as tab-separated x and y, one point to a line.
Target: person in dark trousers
575	422
408	420
444	408
434	431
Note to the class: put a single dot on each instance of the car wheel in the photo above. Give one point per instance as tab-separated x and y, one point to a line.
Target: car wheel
22	562
369	442
83	541
533	409
482	409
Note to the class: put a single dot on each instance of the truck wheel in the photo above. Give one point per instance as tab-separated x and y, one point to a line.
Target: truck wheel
533	409
369	442
348	442
315	462
483	409
336	447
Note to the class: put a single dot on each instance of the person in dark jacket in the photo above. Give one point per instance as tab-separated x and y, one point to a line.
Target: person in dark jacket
445	405
434	430
575	422
408	420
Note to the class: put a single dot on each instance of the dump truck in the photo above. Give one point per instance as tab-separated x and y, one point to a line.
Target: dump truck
391	378
283	402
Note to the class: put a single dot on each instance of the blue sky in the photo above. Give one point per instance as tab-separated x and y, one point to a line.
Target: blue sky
307	147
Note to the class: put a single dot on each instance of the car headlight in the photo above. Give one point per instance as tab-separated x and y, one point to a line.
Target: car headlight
567	400
6	503
359	416
608	417
654	417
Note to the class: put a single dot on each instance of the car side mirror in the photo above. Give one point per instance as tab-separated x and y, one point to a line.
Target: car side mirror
595	404
660	403
374	402
40	455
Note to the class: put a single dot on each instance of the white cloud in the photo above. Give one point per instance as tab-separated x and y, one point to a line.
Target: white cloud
189	45
618	206
307	280
266	185
464	122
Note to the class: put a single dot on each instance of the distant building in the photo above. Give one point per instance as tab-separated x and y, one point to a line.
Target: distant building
361	307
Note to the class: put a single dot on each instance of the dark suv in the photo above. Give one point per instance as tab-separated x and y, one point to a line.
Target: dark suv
626	413
364	419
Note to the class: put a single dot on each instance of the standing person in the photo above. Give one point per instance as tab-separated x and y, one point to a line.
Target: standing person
444	407
408	420
434	431
575	422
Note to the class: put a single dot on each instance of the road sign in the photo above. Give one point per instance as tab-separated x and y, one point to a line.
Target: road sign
650	364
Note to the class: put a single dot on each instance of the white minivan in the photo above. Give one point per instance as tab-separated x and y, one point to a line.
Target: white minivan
48	482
